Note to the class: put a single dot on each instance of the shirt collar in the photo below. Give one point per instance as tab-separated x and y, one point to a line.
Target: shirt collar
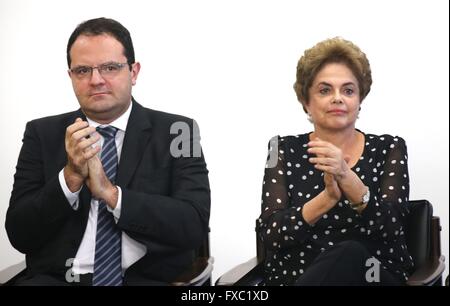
120	123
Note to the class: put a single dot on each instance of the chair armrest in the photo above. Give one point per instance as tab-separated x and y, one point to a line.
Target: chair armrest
428	273
237	273
10	272
199	272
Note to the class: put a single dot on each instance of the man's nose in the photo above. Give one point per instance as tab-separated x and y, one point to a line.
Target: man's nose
96	77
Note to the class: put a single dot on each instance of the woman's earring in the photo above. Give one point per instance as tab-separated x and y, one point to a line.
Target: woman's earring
308	115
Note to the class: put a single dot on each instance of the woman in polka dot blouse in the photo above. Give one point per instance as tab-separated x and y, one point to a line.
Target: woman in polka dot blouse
334	200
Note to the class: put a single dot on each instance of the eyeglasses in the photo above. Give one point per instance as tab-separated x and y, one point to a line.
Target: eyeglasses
106	70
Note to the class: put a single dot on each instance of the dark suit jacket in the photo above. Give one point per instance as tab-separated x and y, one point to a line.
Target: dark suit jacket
165	199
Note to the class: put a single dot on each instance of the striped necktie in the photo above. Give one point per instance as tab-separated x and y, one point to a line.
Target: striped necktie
108	251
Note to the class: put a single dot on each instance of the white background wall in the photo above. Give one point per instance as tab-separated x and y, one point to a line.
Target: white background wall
231	65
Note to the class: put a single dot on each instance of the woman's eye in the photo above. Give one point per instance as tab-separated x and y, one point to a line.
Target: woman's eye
324	91
349	91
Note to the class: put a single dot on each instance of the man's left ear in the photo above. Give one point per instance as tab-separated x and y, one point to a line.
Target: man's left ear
134	72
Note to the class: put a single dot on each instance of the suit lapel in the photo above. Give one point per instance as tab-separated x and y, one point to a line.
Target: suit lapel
136	138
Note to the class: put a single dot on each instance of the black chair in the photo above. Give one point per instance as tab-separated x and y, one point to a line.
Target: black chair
423	239
198	274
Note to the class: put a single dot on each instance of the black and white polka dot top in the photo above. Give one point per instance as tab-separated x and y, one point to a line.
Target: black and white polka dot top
291	181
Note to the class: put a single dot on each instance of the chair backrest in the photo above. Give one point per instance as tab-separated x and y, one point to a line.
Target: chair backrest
418	231
199	274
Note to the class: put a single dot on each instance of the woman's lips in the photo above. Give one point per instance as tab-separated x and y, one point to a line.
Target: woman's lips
337	112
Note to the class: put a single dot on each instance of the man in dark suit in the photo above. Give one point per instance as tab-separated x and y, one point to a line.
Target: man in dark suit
103	195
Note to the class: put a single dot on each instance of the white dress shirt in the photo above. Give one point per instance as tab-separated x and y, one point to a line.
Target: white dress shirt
132	250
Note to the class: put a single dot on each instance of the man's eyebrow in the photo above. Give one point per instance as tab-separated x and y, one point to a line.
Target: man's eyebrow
105	63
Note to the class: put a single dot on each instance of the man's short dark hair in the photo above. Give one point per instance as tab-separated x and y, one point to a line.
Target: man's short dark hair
99	26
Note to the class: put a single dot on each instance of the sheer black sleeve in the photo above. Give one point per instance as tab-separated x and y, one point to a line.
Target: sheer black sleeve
281	223
385	214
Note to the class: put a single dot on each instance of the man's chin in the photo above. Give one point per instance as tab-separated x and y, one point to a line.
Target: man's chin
102	110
